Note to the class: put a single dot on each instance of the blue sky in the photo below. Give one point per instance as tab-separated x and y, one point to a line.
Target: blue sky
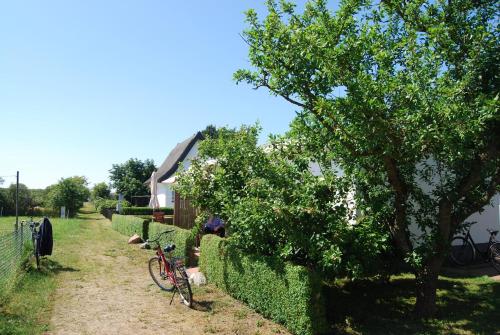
85	84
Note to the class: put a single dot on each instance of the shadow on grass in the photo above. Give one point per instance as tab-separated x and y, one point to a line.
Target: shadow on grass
48	267
367	307
89	218
203	306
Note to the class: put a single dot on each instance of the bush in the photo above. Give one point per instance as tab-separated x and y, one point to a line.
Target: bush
130	225
41	211
145	210
69	192
101	203
289	294
183	239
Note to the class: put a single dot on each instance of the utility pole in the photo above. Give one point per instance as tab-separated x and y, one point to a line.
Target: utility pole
17	199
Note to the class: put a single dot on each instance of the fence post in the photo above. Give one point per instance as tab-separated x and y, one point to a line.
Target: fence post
17	199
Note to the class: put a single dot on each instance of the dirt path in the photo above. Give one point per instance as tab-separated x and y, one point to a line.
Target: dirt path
104	288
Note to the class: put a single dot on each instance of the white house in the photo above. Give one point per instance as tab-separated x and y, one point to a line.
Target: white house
179	157
488	218
184	152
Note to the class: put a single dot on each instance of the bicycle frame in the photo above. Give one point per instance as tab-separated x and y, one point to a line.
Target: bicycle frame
484	253
166	265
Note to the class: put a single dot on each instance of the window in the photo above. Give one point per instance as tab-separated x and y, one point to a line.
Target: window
173	196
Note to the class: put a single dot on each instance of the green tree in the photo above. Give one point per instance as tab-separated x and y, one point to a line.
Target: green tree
210	131
404	98
101	190
128	178
69	192
24	199
4	203
268	196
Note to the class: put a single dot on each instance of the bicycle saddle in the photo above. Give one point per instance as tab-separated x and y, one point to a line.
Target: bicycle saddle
169	248
493	232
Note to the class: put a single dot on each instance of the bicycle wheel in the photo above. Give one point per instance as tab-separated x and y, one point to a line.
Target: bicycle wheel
495	255
159	275
183	286
462	251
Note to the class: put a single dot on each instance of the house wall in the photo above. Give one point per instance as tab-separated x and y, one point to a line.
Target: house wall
193	153
165	195
489	218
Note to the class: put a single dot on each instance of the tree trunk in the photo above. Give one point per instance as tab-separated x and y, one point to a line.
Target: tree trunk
426	286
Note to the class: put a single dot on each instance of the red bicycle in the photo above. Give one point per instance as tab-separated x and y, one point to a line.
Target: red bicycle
169	272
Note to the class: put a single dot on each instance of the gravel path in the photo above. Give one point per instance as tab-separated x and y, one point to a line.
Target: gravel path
104	288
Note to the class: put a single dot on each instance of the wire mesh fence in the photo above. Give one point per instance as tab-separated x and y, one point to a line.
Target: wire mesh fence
12	249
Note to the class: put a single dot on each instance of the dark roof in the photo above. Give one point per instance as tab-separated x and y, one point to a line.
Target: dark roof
177	155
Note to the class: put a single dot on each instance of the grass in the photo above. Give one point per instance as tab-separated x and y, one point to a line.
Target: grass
465	306
7	223
27	309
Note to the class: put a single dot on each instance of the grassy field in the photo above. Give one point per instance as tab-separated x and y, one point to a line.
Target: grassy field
27	309
83	280
95	283
7	223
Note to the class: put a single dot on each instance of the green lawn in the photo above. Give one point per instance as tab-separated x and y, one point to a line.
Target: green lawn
466	306
7	223
27	309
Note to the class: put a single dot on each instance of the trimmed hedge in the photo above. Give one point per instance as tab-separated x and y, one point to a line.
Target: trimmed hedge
286	293
130	225
183	239
145	210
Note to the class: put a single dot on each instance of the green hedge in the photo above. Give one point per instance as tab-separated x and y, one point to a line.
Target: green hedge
183	239
101	203
130	225
145	210
286	293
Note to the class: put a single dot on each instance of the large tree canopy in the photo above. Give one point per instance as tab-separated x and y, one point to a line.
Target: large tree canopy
404	97
128	178
267	196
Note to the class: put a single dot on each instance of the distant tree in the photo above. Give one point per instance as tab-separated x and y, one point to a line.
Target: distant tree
37	197
128	178
100	190
1	181
24	203
4	203
69	192
210	131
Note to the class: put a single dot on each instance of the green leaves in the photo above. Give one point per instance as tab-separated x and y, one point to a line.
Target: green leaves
268	196
128	178
419	86
69	192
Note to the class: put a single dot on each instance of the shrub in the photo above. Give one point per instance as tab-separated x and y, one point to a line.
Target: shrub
130	225
289	294
68	192
101	203
183	239
41	211
145	210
